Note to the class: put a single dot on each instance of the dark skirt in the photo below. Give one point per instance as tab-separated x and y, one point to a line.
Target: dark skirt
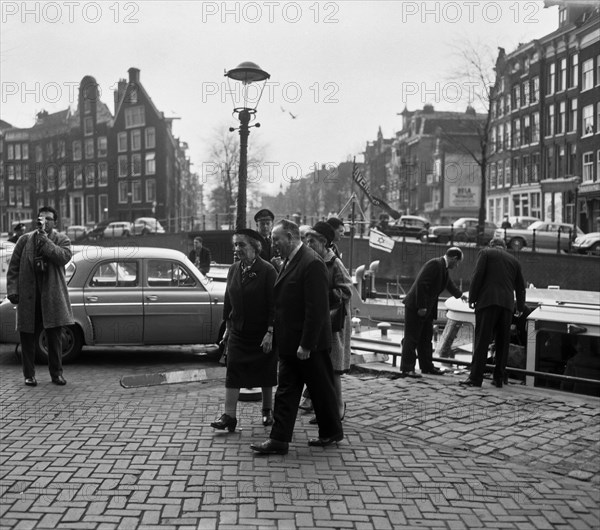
248	366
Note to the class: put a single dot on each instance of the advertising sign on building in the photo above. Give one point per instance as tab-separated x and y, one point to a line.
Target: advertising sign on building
464	196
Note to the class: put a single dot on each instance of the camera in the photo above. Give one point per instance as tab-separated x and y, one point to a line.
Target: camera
41	223
40	264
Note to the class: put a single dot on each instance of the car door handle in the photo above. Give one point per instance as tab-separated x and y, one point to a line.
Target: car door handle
152	298
92	298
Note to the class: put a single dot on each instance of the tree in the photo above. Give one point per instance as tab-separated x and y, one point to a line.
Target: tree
478	69
222	170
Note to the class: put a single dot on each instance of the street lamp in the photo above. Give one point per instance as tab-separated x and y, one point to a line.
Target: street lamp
245	74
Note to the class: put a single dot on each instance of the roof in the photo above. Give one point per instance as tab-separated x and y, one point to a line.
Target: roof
93	252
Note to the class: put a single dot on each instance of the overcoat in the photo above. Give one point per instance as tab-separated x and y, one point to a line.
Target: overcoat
21	279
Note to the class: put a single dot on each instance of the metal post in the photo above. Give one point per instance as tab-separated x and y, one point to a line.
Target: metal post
240	220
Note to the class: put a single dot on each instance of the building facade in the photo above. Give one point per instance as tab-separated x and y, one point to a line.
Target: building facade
544	157
92	166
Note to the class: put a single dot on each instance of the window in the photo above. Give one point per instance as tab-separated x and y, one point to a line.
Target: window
534	95
561	123
76	150
51	177
500	181
587	74
562	15
562	75
573	115
78	176
10	171
90	209
135	117
526	130
516	177
26	151
49	150
551	79
123	166
574	72
150	164
526	169
113	274
507	181
150	190
136	140
514	100
164	273
103	207
150	138
598	165
39	155
62	178
588	120
122	142
62	149
535	167
525	93
123	192
493	178
132	94
136	164
572	161
88	126
535	127
89	148
500	138
516	133
550	120
102	146
588	167
507	104
10	152
102	174
90	175
26	197
136	190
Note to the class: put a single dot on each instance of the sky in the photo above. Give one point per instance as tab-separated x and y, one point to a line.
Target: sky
342	69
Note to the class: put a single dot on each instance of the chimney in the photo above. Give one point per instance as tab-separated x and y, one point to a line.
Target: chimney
41	115
120	92
134	75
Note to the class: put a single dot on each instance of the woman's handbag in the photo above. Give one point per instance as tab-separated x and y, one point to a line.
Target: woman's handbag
338	317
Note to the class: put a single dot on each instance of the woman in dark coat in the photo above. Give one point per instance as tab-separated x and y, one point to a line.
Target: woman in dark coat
249	313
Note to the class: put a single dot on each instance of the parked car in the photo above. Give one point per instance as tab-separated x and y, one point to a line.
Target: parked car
6	250
408	226
75	232
133	296
147	225
462	230
98	231
118	229
587	243
546	235
522	221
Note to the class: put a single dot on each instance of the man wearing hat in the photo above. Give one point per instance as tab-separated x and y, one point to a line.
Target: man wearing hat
264	224
18	231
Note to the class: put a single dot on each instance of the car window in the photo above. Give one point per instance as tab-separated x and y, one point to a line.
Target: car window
115	274
69	271
167	273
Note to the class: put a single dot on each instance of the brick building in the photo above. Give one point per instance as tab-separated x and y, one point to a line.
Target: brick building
93	166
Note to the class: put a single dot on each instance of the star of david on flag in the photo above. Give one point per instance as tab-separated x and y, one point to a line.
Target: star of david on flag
380	241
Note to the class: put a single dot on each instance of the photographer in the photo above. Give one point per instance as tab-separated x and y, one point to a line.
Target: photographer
36	284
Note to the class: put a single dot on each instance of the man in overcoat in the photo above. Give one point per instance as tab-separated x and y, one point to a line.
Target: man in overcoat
303	339
36	284
497	281
421	309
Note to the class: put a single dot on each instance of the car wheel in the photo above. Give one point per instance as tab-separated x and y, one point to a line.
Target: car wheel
126	233
461	237
595	249
72	343
516	244
145	232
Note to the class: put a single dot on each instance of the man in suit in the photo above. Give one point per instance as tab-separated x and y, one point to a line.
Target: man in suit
303	339
200	256
421	309
496	281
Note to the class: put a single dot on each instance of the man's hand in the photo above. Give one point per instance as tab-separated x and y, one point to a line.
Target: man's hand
267	342
303	353
518	314
464	298
13	298
422	312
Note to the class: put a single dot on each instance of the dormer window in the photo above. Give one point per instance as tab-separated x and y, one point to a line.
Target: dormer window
562	16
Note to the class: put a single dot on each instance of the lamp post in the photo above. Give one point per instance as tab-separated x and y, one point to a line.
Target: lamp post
244	74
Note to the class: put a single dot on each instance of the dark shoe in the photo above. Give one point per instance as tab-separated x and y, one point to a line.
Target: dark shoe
271	447
30	381
59	380
324	442
225	422
306	405
267	417
313	420
469	382
433	371
412	374
497	383
344	414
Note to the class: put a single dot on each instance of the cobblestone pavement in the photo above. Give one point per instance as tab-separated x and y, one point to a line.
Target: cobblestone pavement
417	454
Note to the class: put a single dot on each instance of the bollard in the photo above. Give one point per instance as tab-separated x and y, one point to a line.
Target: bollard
383	327
355	325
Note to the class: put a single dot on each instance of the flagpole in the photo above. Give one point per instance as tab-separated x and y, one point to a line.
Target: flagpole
352	218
